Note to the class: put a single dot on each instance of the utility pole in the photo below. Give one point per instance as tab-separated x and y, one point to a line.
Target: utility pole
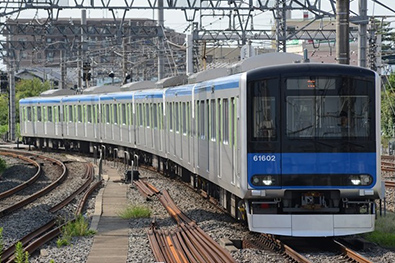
82	48
11	112
63	70
281	26
342	32
362	29
160	40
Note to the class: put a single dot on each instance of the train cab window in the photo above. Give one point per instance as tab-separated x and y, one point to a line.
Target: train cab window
49	114
29	113
328	116
39	117
263	110
328	108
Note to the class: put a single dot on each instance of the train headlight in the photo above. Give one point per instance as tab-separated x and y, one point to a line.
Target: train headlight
263	180
268	180
361	179
355	180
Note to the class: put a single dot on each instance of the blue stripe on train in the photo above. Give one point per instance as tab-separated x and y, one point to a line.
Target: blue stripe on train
311	163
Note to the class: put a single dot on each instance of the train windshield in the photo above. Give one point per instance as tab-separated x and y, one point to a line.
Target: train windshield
264	110
326	108
327	116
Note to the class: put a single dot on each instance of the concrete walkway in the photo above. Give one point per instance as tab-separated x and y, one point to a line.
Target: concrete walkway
111	242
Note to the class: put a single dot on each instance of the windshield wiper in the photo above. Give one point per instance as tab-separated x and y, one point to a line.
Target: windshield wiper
303	129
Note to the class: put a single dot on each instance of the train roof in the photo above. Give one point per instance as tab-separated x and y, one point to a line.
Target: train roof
40	100
322	69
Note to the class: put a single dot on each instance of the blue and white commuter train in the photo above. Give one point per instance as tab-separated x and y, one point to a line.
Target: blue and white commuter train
293	149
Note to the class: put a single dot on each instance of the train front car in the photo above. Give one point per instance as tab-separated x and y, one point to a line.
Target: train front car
313	164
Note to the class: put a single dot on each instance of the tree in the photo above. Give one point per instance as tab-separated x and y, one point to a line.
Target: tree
388	108
23	89
26	88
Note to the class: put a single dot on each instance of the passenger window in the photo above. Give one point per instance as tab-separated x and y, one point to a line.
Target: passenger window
50	118
107	113
79	113
89	113
29	113
123	113
225	129
71	113
115	106
171	116
39	114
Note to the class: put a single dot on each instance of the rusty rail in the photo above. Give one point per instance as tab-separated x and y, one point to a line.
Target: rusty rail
89	176
49	231
40	193
267	241
187	242
28	182
145	188
389	183
346	252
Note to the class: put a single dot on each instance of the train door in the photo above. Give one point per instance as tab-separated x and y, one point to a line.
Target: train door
44	119
226	150
218	144
34	119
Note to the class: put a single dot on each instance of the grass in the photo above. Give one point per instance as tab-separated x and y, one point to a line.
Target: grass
134	211
79	227
384	233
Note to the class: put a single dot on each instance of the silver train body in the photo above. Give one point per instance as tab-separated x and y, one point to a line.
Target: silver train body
299	176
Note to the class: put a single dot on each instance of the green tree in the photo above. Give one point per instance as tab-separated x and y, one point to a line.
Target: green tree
26	88
23	89
388	108
3	109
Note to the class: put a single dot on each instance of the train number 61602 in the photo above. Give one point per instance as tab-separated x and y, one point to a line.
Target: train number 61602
264	158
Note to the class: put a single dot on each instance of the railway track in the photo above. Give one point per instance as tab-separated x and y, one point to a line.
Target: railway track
291	249
21	203
23	185
34	240
187	242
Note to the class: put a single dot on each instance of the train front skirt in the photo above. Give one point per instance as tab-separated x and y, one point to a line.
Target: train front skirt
311	225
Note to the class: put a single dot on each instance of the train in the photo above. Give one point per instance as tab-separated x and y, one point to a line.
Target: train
289	147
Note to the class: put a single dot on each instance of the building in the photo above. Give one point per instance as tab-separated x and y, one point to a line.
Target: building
105	44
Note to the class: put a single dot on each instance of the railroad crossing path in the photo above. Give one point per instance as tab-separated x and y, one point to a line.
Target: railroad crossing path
111	241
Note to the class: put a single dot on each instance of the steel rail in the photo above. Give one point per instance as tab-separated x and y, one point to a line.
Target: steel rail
144	189
351	254
89	176
40	193
7	253
28	182
47	232
389	183
85	197
187	243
